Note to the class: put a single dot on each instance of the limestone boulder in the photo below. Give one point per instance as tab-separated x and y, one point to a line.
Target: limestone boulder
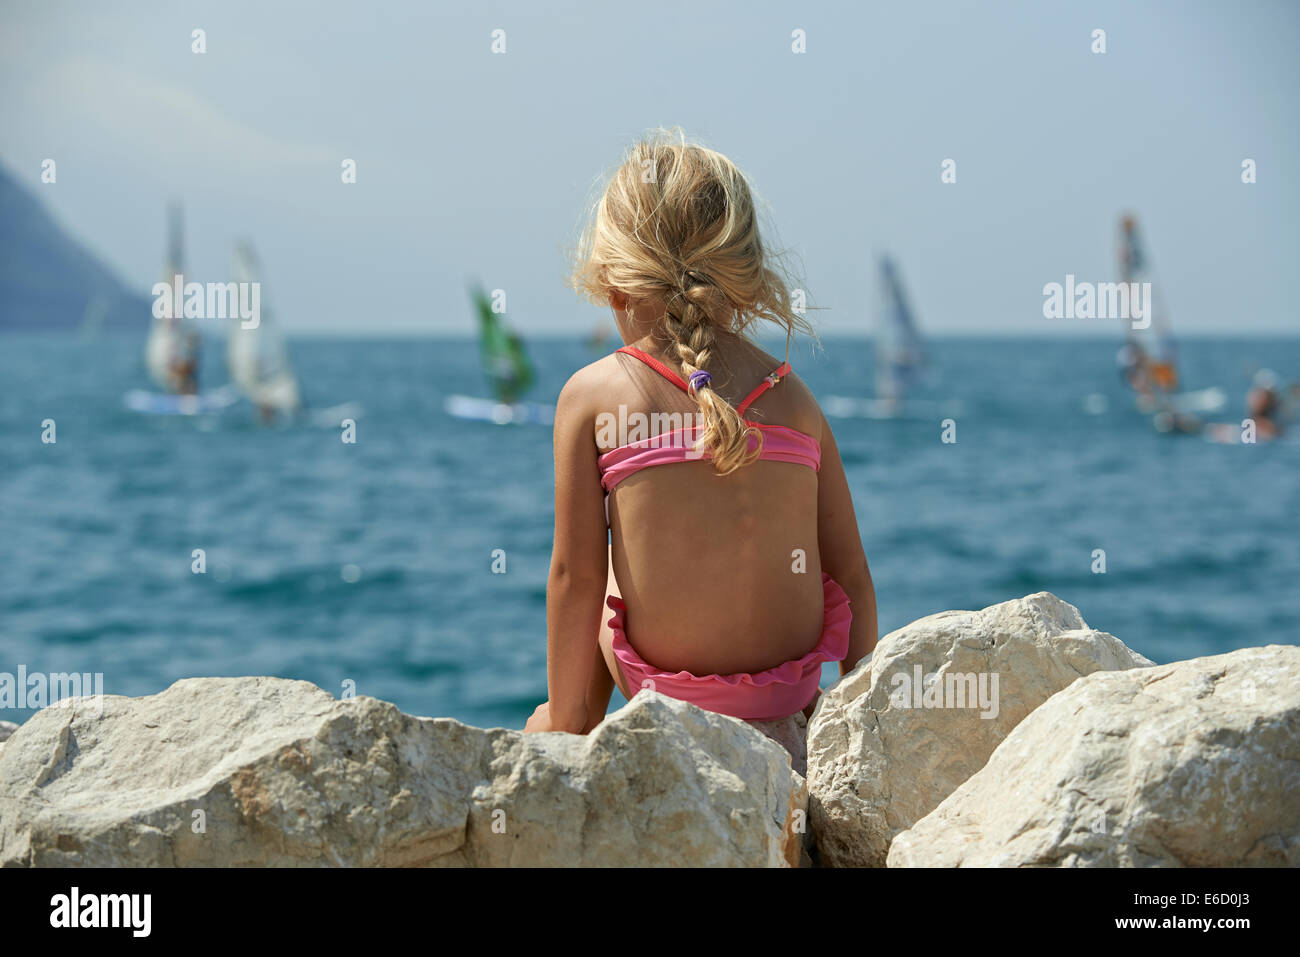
1194	763
925	710
270	772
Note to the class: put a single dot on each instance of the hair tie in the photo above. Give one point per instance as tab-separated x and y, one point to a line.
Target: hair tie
698	380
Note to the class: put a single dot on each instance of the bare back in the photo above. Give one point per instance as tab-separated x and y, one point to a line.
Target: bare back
720	573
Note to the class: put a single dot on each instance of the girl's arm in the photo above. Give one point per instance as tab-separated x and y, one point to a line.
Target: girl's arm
841	550
575	590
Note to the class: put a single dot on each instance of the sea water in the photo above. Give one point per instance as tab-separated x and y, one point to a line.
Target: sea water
369	566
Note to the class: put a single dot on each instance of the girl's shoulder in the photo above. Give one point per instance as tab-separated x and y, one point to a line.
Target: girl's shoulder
791	401
601	373
587	387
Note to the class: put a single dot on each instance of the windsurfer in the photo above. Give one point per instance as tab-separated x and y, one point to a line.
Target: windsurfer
1264	405
1264	408
184	366
1132	368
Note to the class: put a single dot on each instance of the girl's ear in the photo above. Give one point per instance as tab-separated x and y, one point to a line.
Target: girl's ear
618	300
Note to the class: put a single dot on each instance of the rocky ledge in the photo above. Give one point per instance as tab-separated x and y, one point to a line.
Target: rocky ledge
1012	736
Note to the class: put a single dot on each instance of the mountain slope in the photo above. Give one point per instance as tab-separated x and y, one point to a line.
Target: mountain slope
48	279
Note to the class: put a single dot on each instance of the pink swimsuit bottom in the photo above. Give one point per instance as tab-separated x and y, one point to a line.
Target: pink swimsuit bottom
765	696
773	693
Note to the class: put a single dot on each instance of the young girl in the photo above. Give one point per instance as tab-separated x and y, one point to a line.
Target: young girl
712	556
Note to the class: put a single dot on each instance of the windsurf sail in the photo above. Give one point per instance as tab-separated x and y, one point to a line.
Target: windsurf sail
1149	359
901	358
505	362
171	353
257	357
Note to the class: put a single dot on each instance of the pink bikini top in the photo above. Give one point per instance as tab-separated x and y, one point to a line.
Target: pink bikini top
780	443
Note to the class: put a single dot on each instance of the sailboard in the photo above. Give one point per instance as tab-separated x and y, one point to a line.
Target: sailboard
171	350
901	360
157	403
1148	360
509	372
502	413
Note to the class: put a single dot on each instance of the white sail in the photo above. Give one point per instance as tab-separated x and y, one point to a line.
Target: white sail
1148	360
900	352
159	349
257	357
902	363
172	350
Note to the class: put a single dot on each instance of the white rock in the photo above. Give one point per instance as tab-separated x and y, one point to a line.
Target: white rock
877	763
1194	763
263	771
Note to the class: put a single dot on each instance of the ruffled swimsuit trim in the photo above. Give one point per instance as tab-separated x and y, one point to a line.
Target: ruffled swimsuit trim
768	695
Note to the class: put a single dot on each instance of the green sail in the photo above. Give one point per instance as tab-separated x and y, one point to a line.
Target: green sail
504	360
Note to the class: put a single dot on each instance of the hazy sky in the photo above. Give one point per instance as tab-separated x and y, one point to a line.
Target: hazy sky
471	164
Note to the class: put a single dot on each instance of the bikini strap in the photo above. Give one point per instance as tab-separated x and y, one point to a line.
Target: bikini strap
772	379
658	366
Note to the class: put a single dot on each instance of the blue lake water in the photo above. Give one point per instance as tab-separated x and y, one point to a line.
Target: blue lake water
1202	541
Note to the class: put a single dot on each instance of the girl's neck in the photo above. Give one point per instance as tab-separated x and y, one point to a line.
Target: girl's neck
641	325
658	344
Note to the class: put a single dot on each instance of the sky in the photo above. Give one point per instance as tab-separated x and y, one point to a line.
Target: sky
479	165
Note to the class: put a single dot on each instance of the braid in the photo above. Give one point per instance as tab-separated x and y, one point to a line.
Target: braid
726	435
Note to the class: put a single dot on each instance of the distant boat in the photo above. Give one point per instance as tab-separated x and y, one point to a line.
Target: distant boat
1148	360
171	350
257	358
902	362
598	340
509	372
901	359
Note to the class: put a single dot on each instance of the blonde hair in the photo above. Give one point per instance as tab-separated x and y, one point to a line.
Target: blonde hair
677	222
